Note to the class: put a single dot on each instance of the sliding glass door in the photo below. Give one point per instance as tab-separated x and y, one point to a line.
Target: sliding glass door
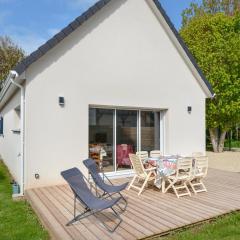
101	137
150	130
126	137
114	133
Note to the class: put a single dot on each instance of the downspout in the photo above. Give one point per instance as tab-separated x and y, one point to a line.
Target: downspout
13	75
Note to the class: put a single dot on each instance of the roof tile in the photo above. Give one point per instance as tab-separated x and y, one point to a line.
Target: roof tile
44	48
75	24
52	42
60	36
67	30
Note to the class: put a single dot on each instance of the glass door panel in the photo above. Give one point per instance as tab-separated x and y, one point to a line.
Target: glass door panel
101	137
150	130
126	137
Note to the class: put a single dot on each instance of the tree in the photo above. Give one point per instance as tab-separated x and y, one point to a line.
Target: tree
214	40
228	7
10	55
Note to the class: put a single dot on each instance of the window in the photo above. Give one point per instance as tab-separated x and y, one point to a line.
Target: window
114	133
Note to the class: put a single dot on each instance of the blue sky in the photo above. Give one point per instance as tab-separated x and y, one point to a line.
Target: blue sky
30	23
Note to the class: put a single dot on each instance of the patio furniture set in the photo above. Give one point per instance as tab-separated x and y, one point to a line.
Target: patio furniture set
169	172
97	193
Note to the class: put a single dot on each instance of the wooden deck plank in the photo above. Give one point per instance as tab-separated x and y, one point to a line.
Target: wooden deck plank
148	197
121	231
160	211
68	202
125	230
78	230
151	213
151	219
218	198
59	212
186	206
49	220
180	206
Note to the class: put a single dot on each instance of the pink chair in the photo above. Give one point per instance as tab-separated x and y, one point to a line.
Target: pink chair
123	151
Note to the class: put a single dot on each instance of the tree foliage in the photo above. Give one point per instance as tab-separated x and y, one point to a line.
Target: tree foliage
228	7
10	55
214	40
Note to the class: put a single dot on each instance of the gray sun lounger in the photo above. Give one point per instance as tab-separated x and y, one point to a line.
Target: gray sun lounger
90	202
108	190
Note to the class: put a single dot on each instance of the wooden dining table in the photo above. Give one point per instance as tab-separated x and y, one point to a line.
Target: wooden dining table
165	166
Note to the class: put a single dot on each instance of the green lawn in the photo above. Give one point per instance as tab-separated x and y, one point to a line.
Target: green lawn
17	220
234	144
224	228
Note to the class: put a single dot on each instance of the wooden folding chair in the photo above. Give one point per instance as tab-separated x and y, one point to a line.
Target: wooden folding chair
141	174
199	172
143	155
178	181
155	154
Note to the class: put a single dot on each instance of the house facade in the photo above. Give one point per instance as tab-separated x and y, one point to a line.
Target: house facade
117	80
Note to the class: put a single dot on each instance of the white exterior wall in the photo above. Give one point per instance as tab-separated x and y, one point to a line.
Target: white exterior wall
120	57
10	142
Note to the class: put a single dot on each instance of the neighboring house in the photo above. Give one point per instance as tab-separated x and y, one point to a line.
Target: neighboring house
116	80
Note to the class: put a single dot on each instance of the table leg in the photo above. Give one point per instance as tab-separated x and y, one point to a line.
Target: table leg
163	185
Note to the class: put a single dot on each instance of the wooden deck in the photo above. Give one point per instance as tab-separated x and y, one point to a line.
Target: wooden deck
151	213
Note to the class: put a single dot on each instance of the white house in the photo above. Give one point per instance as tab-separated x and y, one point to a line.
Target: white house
116	80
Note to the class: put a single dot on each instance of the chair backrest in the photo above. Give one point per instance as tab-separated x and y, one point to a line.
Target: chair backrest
137	164
76	181
201	165
92	167
143	155
197	154
155	154
184	166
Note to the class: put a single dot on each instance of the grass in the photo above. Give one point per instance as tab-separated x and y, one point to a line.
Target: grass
17	219
234	144
223	228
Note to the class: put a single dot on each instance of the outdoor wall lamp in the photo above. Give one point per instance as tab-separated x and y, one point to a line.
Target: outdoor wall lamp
189	109
61	101
37	176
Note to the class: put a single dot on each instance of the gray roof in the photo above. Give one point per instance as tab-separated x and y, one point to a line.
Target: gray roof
33	57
